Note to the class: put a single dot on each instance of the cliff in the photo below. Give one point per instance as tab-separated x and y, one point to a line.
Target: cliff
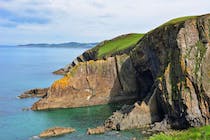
174	58
93	83
167	71
119	45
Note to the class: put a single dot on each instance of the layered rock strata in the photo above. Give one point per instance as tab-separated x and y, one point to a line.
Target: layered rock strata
168	72
93	83
176	58
37	92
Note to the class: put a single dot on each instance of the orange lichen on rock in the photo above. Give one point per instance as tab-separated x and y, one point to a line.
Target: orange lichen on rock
62	83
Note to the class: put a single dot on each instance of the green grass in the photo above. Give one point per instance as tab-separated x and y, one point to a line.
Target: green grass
174	21
118	44
202	133
180	19
109	47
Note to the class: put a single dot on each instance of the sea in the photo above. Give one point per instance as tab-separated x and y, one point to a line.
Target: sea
24	68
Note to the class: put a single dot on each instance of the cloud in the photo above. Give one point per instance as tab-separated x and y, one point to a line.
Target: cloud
53	21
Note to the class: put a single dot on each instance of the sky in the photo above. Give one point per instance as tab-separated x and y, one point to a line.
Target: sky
58	21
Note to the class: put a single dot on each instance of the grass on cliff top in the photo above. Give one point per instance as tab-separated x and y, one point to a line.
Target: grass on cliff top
180	19
118	44
202	133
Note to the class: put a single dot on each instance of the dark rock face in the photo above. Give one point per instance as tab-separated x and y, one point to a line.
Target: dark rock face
37	92
173	63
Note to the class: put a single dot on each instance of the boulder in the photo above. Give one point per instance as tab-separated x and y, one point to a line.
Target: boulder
97	130
56	131
37	92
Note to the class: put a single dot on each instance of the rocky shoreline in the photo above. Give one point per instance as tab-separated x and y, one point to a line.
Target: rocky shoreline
37	92
167	71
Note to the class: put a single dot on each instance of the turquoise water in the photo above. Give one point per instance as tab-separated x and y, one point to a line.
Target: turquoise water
25	68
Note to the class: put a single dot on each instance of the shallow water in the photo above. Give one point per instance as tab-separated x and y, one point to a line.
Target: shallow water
25	68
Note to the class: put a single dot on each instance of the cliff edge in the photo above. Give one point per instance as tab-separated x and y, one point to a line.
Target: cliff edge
167	71
174	58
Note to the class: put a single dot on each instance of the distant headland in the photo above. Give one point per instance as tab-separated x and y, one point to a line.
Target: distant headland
63	45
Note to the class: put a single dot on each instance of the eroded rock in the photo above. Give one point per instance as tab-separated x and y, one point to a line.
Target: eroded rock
97	130
138	115
172	61
37	92
93	83
56	131
168	71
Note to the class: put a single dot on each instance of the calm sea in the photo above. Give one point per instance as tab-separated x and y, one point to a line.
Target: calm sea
25	68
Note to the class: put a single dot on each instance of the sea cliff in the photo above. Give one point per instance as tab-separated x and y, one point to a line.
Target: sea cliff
167	70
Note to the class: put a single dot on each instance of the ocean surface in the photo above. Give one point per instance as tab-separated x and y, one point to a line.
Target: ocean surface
26	68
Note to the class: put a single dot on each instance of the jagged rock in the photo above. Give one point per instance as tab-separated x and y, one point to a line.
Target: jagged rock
173	61
178	54
60	71
93	83
135	116
168	71
157	127
56	131
97	130
92	54
37	92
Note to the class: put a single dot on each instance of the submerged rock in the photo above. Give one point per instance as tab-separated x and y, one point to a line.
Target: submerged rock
97	130
56	131
37	92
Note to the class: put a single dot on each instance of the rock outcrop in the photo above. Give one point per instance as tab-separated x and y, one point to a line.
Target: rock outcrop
97	130
175	60
134	116
93	54
167	71
37	92
56	131
86	56
93	83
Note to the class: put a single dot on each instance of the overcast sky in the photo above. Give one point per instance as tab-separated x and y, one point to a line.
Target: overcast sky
56	21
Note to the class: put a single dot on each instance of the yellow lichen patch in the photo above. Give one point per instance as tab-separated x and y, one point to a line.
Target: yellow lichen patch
160	78
167	70
74	69
61	83
92	61
182	63
179	84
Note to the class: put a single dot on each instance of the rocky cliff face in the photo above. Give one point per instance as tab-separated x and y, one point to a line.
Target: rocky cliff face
176	60
168	71
92	83
93	54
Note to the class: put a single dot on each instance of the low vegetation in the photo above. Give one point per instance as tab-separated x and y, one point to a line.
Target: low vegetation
202	133
178	20
117	44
